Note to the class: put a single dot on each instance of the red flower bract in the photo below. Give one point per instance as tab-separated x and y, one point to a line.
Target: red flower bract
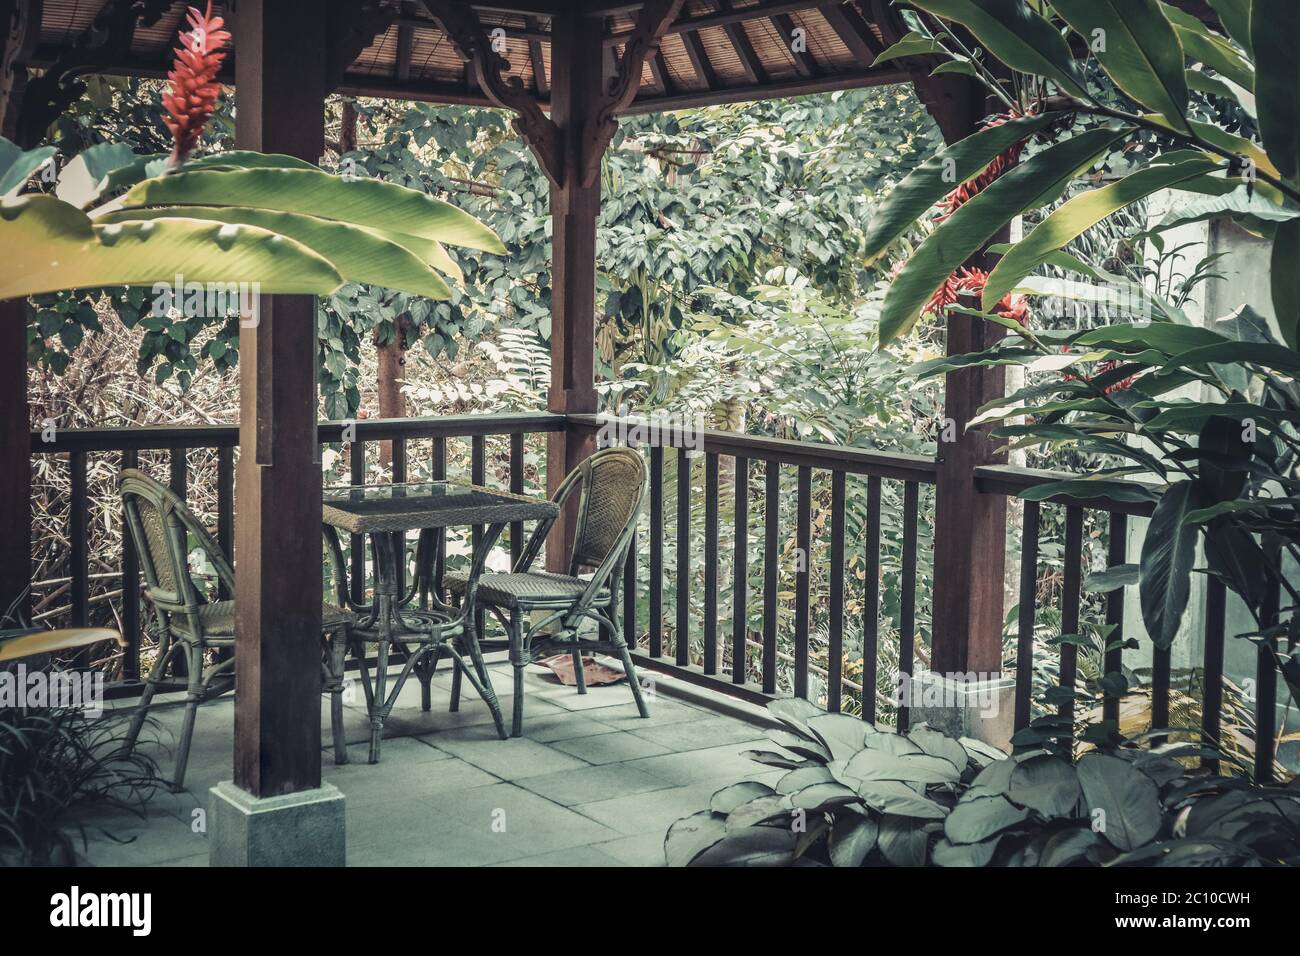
971	282
194	89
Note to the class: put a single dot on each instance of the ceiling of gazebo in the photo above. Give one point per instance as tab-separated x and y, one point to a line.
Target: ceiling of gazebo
716	51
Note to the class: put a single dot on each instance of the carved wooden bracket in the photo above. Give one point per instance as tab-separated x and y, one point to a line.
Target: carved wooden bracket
105	42
20	26
598	130
491	70
353	26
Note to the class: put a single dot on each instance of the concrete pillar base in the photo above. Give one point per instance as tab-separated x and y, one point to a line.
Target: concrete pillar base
978	706
296	829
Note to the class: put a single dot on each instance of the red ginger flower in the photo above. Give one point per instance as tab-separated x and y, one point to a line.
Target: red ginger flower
971	282
194	87
1001	163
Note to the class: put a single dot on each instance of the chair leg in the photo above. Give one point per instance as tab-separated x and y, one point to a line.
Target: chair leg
193	697
470	638
380	702
628	668
519	659
579	672
338	652
146	696
454	705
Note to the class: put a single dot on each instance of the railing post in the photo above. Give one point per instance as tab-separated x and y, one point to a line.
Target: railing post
969	528
576	90
15	464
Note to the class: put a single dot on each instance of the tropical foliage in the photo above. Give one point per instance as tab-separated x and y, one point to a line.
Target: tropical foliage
1208	415
852	795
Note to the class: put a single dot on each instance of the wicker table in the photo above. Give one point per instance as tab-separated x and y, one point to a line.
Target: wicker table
427	634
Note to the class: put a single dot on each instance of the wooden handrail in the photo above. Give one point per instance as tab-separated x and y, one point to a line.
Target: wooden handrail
1010	480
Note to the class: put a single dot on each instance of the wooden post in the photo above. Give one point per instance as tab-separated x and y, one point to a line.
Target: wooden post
281	80
970	528
19	32
576	87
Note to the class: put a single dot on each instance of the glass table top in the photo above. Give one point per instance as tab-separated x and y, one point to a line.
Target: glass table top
428	504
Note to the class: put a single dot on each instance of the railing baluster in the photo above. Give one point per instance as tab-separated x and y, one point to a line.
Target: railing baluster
740	576
771	541
1160	670
1266	686
835	642
226	511
1070	588
1216	607
357	544
871	601
907	601
711	563
438	472
399	477
478	476
656	551
1028	609
682	633
1113	660
179	474
802	580
130	589
630	633
79	587
516	487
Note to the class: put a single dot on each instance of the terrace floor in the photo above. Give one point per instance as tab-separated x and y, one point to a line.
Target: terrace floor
589	784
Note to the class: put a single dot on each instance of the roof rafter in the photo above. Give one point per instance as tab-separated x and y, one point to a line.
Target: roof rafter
755	72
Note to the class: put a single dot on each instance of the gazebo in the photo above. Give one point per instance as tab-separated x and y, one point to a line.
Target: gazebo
567	70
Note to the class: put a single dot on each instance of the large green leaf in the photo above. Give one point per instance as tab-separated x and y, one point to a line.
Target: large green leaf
1162	336
1275	35
51	246
1038	180
1265	354
1127	798
83	179
16	166
914	44
1168	551
1244	205
1284	276
1081	213
1235	17
1207	47
940	174
1017	36
1138	49
365	202
975	820
852	838
1046	784
356	253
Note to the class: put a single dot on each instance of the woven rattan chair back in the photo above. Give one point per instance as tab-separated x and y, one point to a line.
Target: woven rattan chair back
612	483
161	527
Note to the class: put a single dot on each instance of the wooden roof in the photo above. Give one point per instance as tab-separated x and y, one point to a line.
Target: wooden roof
716	50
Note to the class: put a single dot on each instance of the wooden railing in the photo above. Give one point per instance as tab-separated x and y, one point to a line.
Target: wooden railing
1006	480
770	455
180	441
755	654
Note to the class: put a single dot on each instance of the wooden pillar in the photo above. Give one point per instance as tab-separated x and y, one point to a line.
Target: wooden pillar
19	31
576	90
970	527
280	77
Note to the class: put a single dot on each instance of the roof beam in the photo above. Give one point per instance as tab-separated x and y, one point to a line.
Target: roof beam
405	35
765	8
804	61
700	60
659	70
852	29
754	69
540	80
778	89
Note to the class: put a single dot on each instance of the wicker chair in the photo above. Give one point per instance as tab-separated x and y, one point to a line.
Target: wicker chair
184	622
613	485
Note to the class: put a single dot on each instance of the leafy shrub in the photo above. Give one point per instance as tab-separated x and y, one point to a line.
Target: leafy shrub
56	765
854	795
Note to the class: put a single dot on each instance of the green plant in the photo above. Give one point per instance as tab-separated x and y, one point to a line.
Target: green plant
56	765
853	795
1224	462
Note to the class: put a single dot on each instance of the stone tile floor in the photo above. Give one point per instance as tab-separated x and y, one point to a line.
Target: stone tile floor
589	784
